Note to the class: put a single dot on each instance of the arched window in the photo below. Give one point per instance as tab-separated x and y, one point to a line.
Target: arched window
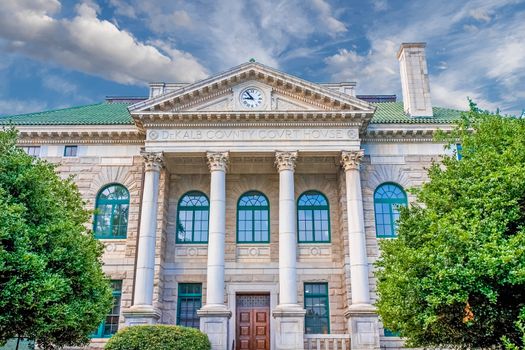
112	207
192	218
253	213
387	198
313	217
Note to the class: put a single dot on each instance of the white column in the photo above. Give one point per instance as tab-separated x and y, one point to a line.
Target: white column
362	317
285	163
218	163
356	227
214	316
142	310
289	315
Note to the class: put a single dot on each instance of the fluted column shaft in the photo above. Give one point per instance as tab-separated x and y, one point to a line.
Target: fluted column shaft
217	162
350	161
285	163
145	268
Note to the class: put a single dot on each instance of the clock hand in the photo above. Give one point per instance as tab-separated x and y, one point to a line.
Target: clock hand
250	96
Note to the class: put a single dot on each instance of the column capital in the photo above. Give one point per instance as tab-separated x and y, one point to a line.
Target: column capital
153	161
285	160
218	160
351	160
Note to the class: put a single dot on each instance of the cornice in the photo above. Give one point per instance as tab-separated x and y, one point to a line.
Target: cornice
81	137
404	132
253	124
154	118
197	101
302	99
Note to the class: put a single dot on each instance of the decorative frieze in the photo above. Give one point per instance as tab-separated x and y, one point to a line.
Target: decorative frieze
350	160
285	160
153	161
218	161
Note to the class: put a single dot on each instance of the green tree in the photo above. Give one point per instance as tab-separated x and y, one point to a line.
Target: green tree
52	288
455	275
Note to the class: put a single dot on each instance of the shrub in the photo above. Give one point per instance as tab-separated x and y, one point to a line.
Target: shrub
158	337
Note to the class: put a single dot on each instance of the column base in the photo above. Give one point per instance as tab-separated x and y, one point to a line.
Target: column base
289	327
214	321
141	315
363	325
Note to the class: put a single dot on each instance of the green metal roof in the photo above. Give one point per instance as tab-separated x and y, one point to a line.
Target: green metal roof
393	113
95	114
117	114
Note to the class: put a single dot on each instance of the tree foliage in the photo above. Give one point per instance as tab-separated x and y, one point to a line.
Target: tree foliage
158	337
455	276
52	288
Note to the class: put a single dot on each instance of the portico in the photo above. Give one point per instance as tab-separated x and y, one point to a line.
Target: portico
177	129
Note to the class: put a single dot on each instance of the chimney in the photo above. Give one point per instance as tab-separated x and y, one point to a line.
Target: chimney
414	79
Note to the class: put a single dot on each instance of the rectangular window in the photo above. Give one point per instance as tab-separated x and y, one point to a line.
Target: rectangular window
188	302
459	148
109	326
389	333
70	151
317	319
32	150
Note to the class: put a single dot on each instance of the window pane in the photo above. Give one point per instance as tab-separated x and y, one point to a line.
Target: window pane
70	151
317	319
189	301
109	326
192	222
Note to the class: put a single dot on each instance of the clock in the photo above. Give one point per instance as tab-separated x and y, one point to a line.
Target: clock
251	97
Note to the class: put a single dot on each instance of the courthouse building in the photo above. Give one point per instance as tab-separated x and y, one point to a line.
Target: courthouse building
249	204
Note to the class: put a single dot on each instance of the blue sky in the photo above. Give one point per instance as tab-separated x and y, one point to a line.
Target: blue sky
57	54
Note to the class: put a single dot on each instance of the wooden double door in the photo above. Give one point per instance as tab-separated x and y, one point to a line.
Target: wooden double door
252	330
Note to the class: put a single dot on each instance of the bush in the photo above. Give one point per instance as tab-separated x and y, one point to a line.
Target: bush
158	337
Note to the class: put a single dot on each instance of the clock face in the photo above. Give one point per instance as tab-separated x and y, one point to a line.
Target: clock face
251	98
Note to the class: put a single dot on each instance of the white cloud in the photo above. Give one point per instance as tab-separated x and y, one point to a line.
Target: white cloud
380	5
58	84
14	106
480	14
334	25
234	31
485	62
123	8
376	72
91	45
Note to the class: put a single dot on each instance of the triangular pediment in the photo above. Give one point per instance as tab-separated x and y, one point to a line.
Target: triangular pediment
279	92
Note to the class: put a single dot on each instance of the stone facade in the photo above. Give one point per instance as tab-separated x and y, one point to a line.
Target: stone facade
303	137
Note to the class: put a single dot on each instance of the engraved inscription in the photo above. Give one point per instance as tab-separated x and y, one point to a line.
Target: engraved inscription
251	134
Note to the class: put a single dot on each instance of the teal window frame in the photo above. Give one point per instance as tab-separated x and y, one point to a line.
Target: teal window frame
113	315
312	209
312	301
195	218
251	211
187	294
386	211
459	151
70	151
114	205
388	333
